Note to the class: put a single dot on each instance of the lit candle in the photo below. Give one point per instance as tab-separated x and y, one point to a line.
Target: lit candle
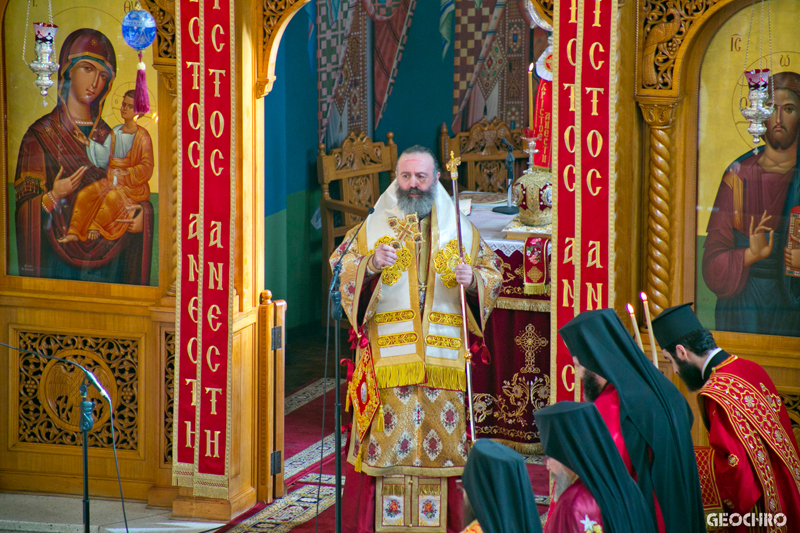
643	296
530	96
635	327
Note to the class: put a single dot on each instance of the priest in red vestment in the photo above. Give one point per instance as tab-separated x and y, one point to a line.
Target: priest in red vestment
648	418
754	465
593	491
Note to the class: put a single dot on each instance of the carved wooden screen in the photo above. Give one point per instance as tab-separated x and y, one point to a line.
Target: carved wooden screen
482	154
349	179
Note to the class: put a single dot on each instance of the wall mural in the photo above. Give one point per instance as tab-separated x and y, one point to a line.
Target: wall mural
82	178
748	266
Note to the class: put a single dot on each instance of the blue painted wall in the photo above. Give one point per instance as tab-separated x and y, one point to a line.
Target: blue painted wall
422	97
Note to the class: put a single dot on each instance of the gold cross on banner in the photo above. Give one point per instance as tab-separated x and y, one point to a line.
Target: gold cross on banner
406	228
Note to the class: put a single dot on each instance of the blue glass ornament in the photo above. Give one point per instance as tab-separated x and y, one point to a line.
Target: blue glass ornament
138	28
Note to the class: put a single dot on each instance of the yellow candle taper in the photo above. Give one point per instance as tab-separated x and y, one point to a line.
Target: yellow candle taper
643	296
530	96
635	327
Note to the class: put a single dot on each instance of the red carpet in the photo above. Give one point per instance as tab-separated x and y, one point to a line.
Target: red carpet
296	511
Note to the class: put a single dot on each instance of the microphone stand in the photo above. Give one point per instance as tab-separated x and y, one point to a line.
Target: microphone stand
508	209
86	421
335	305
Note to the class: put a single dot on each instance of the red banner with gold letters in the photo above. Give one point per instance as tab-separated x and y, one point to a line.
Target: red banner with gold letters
206	208
188	276
542	122
583	162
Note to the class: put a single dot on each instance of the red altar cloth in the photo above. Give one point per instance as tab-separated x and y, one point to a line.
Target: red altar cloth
507	391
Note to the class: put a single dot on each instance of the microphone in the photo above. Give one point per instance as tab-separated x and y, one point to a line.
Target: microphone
91	377
509	146
338	265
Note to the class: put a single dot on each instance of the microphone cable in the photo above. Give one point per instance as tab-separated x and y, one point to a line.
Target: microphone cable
336	273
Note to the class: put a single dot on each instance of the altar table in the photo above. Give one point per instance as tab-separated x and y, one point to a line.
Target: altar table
516	383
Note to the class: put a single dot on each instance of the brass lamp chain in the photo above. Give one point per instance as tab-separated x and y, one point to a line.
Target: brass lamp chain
769	36
25	32
746	53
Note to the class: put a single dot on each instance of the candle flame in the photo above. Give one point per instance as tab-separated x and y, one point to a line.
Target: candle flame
643	296
530	67
630	308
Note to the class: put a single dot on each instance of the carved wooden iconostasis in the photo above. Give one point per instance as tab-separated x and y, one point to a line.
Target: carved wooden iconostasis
108	301
690	62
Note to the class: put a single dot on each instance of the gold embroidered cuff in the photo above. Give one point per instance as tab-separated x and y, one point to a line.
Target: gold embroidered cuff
48	202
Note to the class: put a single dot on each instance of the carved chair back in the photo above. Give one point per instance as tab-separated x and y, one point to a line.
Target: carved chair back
349	179
482	154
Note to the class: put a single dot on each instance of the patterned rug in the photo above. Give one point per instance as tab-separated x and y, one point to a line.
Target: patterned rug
283	515
297	510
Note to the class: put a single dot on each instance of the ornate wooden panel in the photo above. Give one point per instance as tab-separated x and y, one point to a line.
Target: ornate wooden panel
48	396
274	16
665	30
482	153
164	13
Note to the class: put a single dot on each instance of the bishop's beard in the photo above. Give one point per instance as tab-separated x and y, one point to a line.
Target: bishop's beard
421	205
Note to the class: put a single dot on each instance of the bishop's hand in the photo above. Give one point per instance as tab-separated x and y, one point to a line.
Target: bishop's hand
464	275
384	256
759	247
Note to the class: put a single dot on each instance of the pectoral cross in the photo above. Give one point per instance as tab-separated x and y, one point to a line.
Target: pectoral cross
406	228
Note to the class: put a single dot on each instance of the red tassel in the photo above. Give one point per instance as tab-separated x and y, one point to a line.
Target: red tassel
141	98
482	350
486	357
350	368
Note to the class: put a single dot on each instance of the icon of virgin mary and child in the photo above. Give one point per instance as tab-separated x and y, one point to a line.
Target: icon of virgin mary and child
83	208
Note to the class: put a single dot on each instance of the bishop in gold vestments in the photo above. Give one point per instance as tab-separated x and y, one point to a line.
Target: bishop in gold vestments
399	286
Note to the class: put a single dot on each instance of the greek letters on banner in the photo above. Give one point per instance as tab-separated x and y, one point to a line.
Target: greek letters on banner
205	295
187	312
214	385
583	161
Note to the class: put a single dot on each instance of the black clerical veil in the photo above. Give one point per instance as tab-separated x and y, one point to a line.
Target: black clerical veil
652	412
499	489
576	435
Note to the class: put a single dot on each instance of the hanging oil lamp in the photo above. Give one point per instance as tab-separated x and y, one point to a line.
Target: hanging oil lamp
759	111
758	82
44	65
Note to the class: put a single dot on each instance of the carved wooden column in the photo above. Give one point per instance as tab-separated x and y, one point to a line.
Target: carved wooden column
174	199
661	118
